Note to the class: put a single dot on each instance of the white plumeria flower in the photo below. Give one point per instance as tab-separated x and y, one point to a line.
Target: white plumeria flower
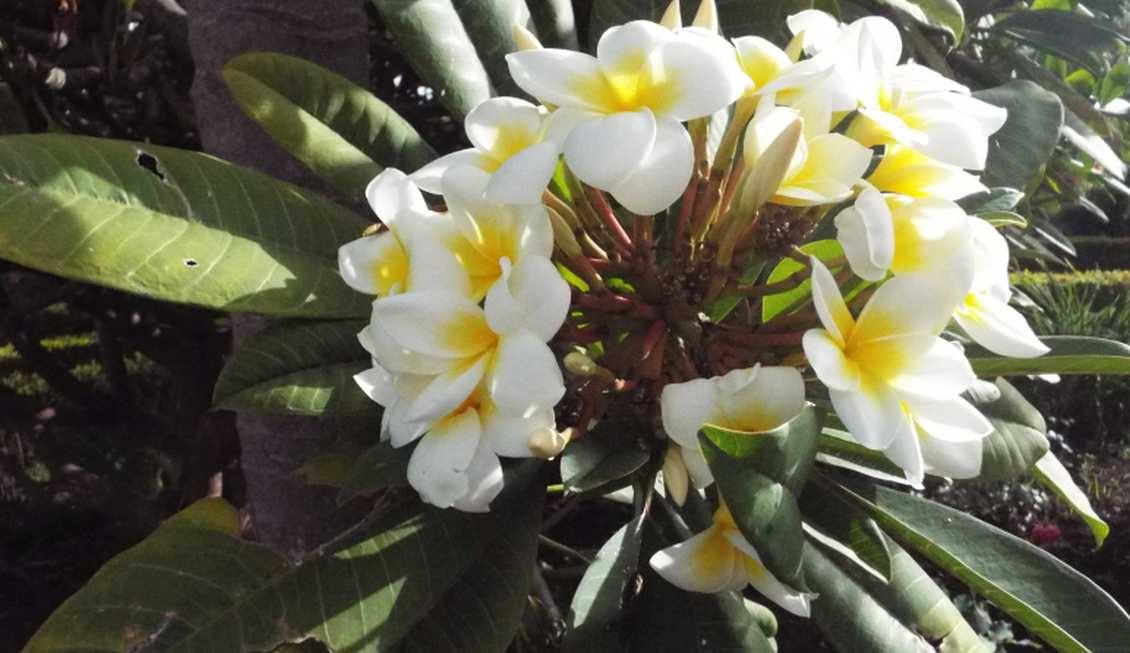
824	167
793	83
815	30
510	143
720	559
474	382
906	171
380	264
893	382
911	104
489	231
626	105
755	400
984	314
901	234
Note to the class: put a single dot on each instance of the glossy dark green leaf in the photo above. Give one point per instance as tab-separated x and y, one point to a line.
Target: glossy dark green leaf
945	15
555	22
1053	475
1069	34
785	454
1068	355
595	462
300	368
378	467
1019	150
838	449
343	133
774	305
1000	198
1019	436
837	518
490	27
600	600
173	225
1053	601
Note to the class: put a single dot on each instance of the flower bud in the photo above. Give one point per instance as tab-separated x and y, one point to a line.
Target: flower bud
524	38
769	170
578	364
563	236
673	17
675	477
547	442
707	16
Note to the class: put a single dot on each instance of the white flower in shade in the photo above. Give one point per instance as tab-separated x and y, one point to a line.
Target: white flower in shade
902	235
510	143
624	107
823	167
487	232
720	559
470	382
380	264
905	171
893	382
755	400
911	104
984	314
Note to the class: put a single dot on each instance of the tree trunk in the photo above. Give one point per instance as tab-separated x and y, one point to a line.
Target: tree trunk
287	513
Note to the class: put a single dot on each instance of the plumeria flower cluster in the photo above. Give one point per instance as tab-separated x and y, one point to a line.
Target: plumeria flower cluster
594	266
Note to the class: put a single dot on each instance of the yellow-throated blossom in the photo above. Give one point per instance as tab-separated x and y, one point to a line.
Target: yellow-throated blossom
893	382
906	171
756	399
720	559
625	106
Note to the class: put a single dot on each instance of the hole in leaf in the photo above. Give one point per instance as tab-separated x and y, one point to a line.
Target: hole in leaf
150	163
190	263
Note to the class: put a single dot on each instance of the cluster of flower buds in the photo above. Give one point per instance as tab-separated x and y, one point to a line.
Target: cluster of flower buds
622	228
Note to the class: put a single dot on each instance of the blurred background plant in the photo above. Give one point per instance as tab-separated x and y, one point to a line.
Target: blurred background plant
104	397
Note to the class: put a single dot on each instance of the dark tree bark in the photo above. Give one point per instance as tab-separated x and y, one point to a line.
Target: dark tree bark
287	513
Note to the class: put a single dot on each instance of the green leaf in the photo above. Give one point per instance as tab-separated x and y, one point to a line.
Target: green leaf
945	15
594	462
667	619
379	467
343	133
1053	475
173	225
837	448
490	27
298	368
838	519
1071	35
432	38
1053	601
598	604
774	305
1068	355
195	585
1000	198
329	468
784	454
1019	150
555	23
1004	219
1019	436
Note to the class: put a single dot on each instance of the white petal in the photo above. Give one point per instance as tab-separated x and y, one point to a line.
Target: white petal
871	47
436	324
532	296
603	152
562	121
438	466
702	72
939	372
526	377
562	77
377	384
429	176
952	459
624	48
523	177
704	563
446	392
818	30
908	172
761	59
873	414
826	357
432	267
510	436
484	481
798	603
867	235
957	127
401	431
696	466
998	327
391	192
395	358
906	452
829	303
910	304
373	265
991	257
951	420
773	396
661	177
685	407
498	123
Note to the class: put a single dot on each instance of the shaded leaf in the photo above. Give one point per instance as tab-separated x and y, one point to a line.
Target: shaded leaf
300	368
555	23
784	454
838	519
837	448
945	15
433	39
774	305
1068	355
379	467
594	462
1053	475
996	199
1019	150
598	604
1056	603
1004	219
343	133
490	27
173	225
1019	436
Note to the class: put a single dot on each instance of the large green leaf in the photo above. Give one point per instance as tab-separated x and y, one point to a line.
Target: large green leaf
339	130
598	604
490	27
1068	34
1019	436
1053	601
377	468
556	25
1019	150
301	368
785	454
945	15
837	518
195	585
1068	355
595	462
837	448
774	305
432	37
173	225
1051	472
